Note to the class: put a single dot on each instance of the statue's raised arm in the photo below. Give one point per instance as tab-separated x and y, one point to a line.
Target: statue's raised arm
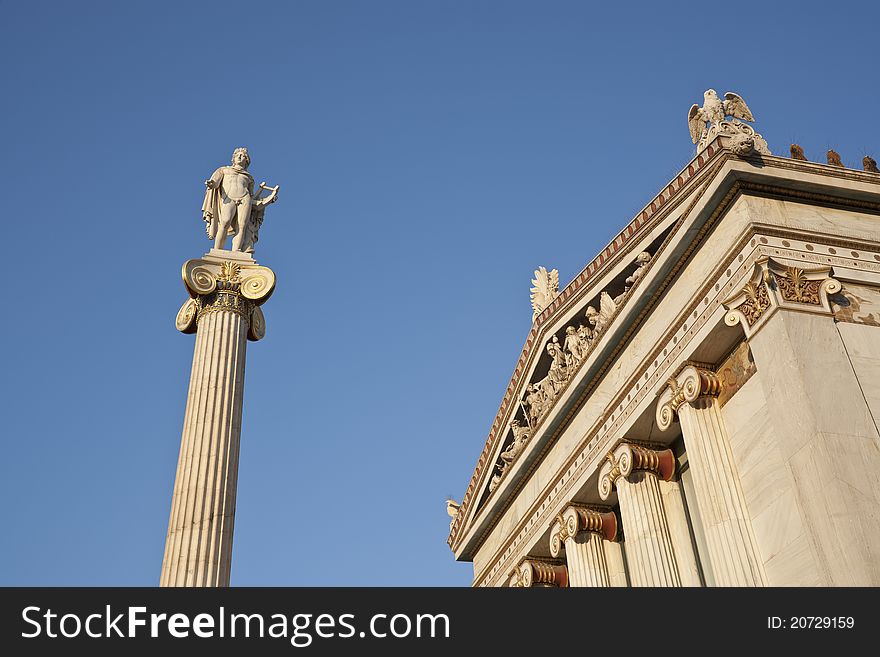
231	208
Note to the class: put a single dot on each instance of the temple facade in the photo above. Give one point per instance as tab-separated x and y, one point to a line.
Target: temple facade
700	405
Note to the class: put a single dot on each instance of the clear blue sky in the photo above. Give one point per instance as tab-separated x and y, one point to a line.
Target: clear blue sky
430	155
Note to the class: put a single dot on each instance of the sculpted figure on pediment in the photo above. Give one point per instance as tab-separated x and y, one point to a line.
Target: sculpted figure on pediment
521	436
495	480
537	400
558	374
599	318
642	261
592	316
575	346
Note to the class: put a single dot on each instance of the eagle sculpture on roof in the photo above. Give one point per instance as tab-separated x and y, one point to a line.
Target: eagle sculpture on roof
714	110
710	122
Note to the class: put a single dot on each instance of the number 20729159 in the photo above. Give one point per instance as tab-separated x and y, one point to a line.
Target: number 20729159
811	623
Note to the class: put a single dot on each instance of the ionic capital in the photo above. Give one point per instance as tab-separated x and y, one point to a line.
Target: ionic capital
533	573
628	458
686	387
576	519
225	286
774	285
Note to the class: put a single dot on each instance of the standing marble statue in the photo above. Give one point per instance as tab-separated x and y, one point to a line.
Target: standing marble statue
232	208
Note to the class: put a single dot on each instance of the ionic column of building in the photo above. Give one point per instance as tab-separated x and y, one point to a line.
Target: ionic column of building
636	472
533	573
224	313
586	536
733	552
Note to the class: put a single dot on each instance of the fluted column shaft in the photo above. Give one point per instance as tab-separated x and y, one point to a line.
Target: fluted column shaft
731	545
634	471
224	313
586	534
733	552
198	550
585	556
647	531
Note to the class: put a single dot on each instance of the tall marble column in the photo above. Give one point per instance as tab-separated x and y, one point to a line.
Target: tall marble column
534	573
733	553
636	472
586	535
226	290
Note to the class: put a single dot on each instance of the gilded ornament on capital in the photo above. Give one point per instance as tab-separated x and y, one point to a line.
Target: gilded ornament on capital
795	286
757	301
229	272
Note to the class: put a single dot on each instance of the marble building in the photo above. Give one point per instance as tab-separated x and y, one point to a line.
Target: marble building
700	405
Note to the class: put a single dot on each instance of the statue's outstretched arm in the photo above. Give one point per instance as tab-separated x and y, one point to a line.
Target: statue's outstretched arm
216	178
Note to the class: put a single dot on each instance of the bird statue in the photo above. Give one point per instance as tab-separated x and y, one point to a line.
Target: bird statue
713	112
870	164
797	153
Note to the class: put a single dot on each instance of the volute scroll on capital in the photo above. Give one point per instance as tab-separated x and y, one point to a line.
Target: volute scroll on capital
225	286
200	278
576	519
630	457
533	573
686	387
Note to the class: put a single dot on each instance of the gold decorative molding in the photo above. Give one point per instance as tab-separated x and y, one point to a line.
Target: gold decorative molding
794	286
576	519
225	300
225	286
533	573
757	301
803	286
630	457
777	285
750	303
691	383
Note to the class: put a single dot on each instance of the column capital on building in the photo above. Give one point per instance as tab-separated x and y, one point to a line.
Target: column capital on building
690	383
773	285
577	518
225	283
536	573
629	457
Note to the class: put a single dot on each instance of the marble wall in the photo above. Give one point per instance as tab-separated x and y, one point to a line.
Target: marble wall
806	448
